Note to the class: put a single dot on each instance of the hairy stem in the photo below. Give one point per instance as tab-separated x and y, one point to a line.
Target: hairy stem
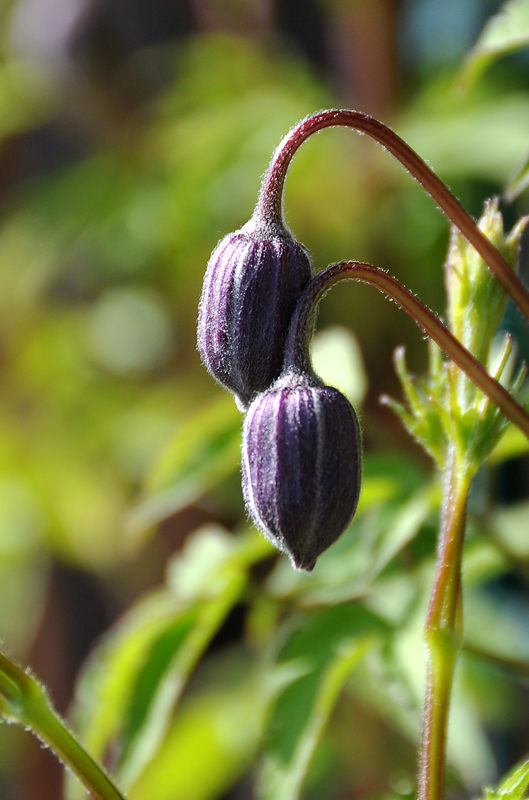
270	204
297	351
443	632
24	701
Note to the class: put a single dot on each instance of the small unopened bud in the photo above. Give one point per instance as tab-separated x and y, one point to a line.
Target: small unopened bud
472	287
252	283
301	465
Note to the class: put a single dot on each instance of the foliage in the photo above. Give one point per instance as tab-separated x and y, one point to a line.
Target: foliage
110	429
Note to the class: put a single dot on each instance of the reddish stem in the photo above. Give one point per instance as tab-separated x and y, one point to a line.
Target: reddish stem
297	352
270	204
443	632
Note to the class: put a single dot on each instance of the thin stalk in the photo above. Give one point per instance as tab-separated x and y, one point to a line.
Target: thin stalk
443	632
297	351
270	204
24	701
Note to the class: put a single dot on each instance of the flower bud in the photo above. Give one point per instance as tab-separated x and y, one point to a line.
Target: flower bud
301	465
252	283
472	287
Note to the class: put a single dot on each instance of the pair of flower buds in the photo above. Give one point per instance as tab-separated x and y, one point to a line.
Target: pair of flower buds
301	449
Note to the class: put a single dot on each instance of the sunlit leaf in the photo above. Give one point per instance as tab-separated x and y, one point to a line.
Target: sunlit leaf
128	692
164	673
513	786
484	561
204	452
337	359
480	140
284	781
518	183
403	527
384	683
504	32
104	688
492	627
512	445
509	526
209	559
211	742
469	747
330	644
391	513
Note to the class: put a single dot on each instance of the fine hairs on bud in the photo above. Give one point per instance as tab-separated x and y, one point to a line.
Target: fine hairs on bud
302	445
252	283
301	465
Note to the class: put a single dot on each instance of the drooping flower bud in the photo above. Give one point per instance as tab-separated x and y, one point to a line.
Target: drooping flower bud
301	465
252	283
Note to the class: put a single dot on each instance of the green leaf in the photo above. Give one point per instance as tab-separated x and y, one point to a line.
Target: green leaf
133	681
483	140
518	183
513	444
509	528
330	645
104	688
514	785
491	627
209	558
385	684
404	525
204	452
283	782
506	31
337	359
160	682
213	739
395	505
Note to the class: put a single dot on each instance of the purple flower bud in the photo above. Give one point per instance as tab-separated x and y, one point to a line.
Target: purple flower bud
301	465
252	283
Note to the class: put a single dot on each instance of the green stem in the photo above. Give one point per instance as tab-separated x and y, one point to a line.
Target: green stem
24	701
270	204
297	351
443	632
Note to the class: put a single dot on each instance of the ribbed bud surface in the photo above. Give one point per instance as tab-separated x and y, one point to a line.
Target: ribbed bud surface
301	466
251	286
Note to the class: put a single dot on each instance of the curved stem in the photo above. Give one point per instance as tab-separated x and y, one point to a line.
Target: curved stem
296	353
270	203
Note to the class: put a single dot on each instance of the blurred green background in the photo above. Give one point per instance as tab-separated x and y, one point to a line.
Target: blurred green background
134	135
